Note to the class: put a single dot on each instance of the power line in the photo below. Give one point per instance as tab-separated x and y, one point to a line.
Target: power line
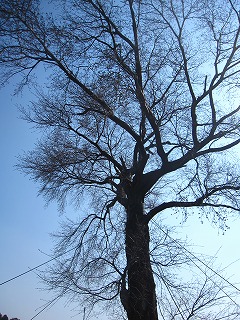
53	301
49	304
199	260
30	270
202	262
38	266
174	240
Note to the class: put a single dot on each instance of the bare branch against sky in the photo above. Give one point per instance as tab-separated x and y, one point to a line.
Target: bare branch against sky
139	117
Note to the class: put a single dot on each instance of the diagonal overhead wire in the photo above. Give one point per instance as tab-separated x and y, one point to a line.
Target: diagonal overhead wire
48	305
36	267
189	253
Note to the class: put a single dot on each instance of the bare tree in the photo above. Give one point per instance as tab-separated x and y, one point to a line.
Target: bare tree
140	115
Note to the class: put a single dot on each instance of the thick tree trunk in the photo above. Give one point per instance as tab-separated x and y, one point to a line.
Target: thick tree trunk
142	304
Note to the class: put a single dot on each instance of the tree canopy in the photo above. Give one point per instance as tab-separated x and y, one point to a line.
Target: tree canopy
140	115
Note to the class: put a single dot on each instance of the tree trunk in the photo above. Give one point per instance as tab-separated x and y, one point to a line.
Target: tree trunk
142	304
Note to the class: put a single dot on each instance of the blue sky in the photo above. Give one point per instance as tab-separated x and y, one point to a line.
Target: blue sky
26	223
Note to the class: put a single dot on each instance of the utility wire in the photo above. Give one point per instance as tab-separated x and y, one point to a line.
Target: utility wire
174	240
38	266
52	302
30	270
199	260
208	267
49	304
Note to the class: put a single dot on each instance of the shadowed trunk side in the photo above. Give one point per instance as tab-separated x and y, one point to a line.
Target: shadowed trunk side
142	304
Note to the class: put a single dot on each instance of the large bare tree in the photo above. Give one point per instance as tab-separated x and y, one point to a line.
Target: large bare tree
140	116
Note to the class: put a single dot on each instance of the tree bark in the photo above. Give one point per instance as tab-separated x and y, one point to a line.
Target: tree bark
142	304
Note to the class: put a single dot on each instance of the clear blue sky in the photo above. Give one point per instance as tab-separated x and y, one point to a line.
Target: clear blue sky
25	221
26	224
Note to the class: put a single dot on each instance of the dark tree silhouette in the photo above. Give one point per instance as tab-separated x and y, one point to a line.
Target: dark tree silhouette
140	115
5	317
